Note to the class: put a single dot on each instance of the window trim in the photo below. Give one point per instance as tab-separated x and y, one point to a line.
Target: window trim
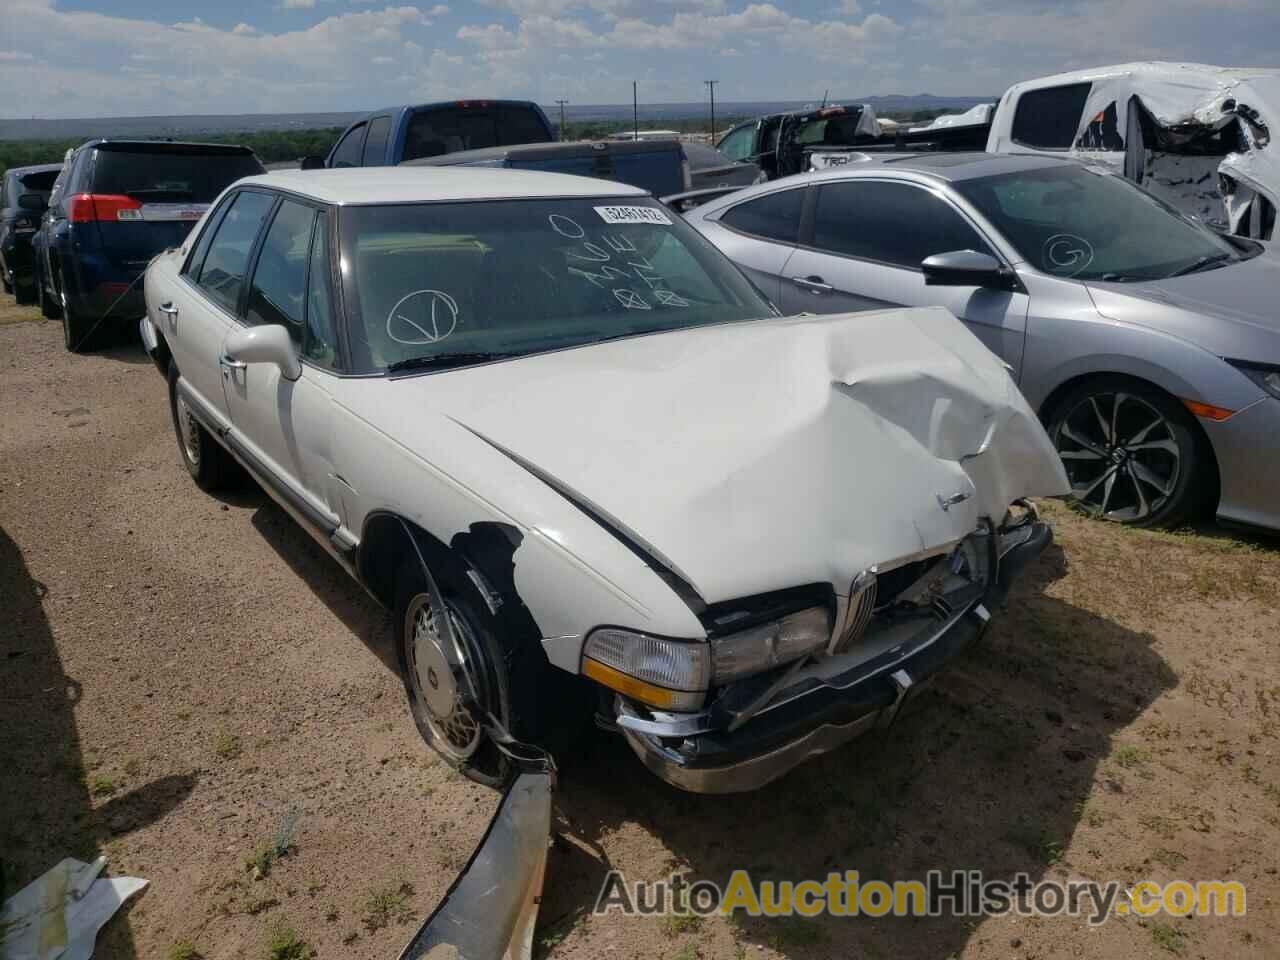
806	210
364	146
1013	122
807	235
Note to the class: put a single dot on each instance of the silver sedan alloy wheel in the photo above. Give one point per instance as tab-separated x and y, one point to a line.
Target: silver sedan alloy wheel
1121	456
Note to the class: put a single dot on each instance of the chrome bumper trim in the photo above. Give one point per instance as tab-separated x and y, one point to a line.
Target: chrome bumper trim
753	773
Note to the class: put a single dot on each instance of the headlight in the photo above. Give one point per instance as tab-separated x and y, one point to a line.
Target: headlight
769	645
1264	375
667	674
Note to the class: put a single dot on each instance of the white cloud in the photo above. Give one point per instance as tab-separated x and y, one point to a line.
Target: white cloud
298	4
243	29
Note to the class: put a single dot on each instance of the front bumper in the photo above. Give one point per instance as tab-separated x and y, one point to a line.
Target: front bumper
820	711
1249	464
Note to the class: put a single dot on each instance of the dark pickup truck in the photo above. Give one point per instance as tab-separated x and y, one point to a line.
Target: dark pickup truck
396	134
658	166
779	143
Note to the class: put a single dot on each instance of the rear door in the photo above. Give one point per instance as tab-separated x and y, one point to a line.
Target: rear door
283	424
760	234
158	192
204	303
863	252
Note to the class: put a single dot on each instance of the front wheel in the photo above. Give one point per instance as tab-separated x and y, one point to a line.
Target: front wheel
1131	451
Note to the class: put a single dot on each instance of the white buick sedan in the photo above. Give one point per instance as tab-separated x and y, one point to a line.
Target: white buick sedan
589	467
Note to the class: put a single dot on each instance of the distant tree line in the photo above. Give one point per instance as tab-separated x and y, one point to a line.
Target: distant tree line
271	146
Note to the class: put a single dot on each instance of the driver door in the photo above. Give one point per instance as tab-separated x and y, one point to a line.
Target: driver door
282	425
864	249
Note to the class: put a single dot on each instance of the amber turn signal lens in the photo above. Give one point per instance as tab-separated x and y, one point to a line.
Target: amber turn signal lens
1208	411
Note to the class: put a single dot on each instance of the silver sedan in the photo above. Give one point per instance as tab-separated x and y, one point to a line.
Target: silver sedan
1148	343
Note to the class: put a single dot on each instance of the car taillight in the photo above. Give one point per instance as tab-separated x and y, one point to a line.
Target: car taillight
87	207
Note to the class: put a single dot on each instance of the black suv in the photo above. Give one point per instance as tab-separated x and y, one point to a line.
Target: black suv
24	196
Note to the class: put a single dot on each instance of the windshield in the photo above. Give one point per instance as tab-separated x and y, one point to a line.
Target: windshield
509	277
1072	222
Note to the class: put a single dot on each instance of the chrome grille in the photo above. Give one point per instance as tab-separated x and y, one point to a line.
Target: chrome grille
862	603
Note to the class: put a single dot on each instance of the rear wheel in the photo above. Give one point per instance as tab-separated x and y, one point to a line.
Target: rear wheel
24	294
48	305
1131	451
210	466
79	333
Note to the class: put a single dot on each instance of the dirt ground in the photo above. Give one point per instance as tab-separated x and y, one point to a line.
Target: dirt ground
187	679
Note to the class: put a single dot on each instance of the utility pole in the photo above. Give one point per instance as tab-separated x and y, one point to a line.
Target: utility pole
562	103
635	110
711	85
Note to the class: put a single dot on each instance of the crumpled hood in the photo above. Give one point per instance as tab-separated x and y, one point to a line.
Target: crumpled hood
773	453
1230	311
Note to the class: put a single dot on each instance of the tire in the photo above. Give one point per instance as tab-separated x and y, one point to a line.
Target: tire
80	334
48	306
1151	470
24	295
210	466
510	678
4	281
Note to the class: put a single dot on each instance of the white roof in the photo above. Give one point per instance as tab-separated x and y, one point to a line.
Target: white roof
423	184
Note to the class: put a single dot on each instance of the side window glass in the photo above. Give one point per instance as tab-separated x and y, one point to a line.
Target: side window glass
280	276
737	145
196	260
319	340
1049	118
347	153
775	216
894	223
222	274
375	146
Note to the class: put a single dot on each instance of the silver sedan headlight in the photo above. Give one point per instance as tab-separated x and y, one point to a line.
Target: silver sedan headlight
1264	375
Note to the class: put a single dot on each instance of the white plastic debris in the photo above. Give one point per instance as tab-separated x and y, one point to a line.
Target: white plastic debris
58	915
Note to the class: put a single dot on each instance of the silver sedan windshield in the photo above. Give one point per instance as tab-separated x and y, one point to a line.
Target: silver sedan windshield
1072	222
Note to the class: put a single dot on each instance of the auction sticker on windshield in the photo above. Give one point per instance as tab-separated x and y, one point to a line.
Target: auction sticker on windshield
633	215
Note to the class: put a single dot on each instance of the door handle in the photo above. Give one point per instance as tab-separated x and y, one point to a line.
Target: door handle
229	364
815	285
169	309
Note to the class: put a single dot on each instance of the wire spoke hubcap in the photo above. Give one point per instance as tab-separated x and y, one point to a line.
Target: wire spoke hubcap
1120	454
444	680
190	431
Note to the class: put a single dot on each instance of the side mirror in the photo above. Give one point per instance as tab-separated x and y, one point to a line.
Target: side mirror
967	268
312	162
266	344
34	202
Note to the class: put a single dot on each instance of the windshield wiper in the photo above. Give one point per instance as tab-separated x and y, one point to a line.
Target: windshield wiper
443	361
1204	263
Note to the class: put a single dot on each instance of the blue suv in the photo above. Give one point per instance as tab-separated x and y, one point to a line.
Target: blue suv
116	205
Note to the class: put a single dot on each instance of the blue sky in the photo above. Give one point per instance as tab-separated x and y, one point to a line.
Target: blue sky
62	58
